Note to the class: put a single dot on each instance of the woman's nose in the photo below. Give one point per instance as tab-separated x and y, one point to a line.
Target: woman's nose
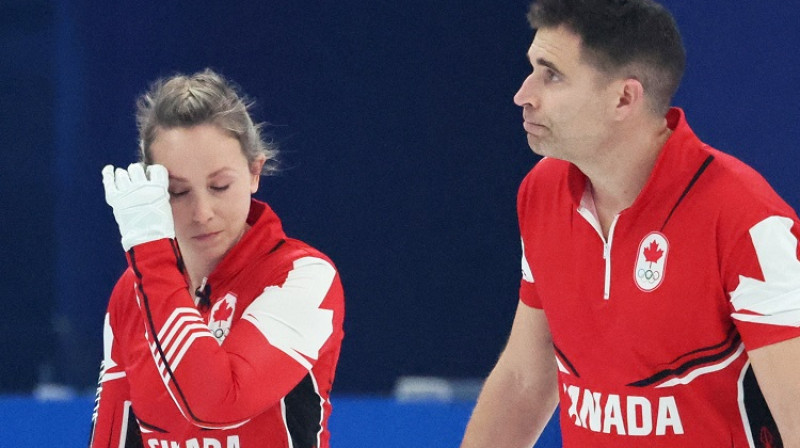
203	209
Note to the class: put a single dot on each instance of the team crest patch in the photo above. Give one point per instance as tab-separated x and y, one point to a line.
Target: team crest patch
221	317
651	261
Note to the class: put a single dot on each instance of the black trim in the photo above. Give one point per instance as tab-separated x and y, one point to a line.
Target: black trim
204	295
145	424
304	414
688	365
566	361
178	257
762	424
154	333
277	246
697	175
731	335
133	438
133	435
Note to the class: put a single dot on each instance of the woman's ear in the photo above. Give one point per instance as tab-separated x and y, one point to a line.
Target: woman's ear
255	172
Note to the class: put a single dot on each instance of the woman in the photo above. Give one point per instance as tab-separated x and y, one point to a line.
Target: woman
223	332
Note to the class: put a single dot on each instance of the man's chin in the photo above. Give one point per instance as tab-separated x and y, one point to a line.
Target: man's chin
538	148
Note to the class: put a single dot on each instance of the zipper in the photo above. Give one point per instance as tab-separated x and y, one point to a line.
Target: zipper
200	293
607	257
592	219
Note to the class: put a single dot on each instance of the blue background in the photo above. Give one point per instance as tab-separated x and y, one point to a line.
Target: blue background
356	422
403	151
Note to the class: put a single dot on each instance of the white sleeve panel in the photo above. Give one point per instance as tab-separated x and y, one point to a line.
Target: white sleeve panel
108	371
527	275
776	299
290	317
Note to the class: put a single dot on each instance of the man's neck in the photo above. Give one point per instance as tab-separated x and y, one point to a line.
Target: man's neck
618	178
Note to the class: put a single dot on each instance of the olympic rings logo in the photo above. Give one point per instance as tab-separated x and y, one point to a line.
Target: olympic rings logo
648	275
651	261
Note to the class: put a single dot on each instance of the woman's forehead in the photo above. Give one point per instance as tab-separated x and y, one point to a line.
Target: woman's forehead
198	150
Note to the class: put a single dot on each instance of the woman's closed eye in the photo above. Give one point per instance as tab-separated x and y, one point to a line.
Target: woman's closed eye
177	194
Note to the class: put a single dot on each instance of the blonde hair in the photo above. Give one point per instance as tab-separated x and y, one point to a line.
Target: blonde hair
205	97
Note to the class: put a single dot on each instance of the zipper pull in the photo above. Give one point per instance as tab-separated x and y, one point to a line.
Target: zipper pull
203	294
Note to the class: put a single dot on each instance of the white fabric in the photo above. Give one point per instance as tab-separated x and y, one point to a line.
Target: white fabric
776	299
141	203
290	317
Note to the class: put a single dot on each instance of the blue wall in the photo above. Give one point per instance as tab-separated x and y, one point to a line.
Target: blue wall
403	154
27	252
356	422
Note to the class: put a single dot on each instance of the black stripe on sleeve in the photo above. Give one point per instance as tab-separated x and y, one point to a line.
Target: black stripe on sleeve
304	413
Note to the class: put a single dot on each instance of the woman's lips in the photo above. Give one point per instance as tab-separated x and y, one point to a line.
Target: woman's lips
205	237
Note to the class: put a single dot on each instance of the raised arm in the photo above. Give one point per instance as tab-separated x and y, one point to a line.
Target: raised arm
521	392
290	327
281	336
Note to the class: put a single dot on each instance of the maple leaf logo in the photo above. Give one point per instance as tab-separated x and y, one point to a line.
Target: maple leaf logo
652	253
223	313
295	323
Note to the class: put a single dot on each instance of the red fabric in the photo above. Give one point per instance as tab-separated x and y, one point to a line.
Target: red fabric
527	293
679	343
185	385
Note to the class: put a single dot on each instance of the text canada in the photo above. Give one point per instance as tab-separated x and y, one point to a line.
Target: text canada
205	442
624	415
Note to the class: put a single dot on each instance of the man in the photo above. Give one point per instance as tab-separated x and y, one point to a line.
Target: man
660	292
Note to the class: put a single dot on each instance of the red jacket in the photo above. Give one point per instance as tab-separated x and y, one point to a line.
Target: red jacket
251	367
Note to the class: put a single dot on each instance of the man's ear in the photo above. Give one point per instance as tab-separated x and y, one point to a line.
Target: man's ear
630	97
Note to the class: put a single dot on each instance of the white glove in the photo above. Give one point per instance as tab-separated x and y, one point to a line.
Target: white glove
140	202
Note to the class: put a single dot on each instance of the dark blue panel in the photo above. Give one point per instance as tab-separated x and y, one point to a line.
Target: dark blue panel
26	185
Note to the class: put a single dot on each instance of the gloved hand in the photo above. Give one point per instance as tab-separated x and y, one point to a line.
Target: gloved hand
140	202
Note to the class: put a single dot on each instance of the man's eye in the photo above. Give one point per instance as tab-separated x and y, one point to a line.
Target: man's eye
177	194
222	188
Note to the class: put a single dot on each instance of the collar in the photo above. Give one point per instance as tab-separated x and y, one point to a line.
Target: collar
680	158
264	234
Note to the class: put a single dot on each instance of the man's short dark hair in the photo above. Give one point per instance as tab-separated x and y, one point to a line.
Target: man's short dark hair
631	38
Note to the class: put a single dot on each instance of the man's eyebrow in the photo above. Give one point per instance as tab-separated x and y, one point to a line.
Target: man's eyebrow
548	64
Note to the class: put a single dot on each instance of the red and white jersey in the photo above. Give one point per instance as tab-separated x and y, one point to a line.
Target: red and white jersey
252	367
651	326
